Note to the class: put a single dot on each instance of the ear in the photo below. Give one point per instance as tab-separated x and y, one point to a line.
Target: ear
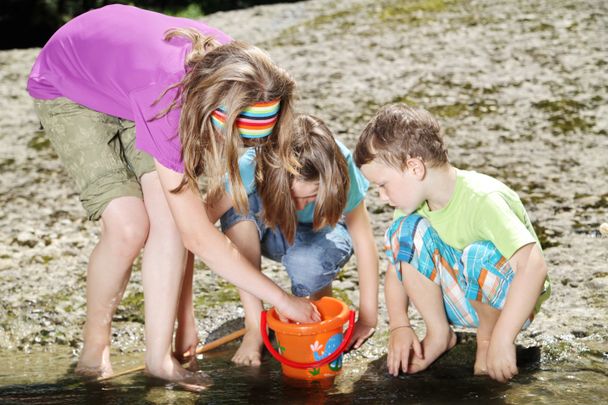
417	167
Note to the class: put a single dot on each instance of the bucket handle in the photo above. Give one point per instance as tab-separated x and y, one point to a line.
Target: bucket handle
318	363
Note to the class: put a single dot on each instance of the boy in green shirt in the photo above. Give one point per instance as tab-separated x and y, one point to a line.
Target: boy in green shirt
463	250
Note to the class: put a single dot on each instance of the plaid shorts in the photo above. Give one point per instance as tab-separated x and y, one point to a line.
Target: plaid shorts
479	272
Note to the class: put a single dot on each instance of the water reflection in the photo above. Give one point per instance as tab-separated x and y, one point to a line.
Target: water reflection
364	381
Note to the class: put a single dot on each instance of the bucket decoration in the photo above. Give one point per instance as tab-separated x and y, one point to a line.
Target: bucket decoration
311	351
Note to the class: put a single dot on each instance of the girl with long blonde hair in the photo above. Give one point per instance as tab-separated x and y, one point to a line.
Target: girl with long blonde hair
309	218
131	117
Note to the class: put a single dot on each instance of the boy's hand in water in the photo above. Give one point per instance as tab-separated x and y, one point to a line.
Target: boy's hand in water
401	342
298	309
501	360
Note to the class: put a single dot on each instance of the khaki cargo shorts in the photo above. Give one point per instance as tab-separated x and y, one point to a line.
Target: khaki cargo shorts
97	150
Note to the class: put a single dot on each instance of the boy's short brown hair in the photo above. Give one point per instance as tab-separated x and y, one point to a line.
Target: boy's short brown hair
399	132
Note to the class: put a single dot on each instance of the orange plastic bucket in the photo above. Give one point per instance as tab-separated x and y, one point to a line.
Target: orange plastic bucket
311	351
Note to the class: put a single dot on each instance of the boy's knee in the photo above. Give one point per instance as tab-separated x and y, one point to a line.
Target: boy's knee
403	234
407	228
479	248
477	256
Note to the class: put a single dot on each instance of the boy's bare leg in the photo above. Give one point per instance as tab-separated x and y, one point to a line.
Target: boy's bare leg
243	234
428	300
487	320
124	229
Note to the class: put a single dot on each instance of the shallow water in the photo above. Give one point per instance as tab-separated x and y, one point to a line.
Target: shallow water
555	373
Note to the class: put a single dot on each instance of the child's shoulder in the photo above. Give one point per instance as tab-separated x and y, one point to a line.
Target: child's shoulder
481	185
488	197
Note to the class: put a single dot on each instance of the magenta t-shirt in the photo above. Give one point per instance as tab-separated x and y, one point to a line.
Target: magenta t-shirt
114	60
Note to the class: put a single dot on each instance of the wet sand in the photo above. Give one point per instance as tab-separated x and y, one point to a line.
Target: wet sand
520	89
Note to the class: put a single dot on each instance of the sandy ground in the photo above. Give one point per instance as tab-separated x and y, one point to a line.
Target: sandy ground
520	88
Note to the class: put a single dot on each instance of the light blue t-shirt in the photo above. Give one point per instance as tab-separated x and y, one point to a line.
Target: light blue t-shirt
356	192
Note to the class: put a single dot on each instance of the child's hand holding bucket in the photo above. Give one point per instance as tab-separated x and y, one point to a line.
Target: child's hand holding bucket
310	351
298	309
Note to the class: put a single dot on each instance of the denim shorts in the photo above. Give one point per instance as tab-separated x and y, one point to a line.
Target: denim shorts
312	261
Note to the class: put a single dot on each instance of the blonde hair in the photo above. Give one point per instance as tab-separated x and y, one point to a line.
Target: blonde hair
235	76
318	158
399	132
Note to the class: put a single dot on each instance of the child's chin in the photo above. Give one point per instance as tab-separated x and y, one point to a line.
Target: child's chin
405	210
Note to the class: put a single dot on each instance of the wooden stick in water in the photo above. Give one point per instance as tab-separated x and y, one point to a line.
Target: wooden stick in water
209	346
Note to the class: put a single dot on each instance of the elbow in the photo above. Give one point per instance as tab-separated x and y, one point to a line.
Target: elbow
194	244
544	269
541	264
202	246
189	243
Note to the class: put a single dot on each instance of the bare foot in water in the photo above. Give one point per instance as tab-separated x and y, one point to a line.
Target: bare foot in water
433	346
480	367
173	374
250	351
94	363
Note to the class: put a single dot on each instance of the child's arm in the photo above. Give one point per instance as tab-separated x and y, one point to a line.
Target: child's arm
402	338
201	237
186	335
360	230
530	273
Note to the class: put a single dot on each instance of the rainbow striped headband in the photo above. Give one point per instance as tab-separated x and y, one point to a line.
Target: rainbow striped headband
256	121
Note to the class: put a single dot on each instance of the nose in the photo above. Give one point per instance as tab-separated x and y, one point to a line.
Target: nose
383	195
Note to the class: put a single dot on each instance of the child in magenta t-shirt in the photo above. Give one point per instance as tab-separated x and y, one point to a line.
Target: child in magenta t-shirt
462	249
127	98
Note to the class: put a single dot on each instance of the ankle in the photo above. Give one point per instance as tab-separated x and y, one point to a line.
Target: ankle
482	340
160	364
98	350
169	370
439	330
98	337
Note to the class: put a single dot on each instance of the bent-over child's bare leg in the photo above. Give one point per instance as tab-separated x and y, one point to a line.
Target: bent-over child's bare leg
124	229
488	317
428	300
244	234
163	267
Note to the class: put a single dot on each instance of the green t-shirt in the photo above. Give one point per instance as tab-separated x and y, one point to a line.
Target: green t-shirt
483	208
